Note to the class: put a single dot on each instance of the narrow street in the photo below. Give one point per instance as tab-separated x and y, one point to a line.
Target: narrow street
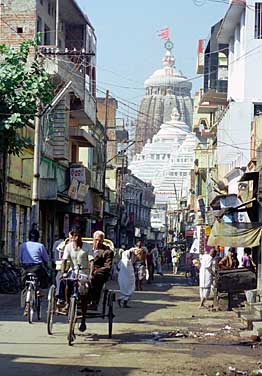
163	333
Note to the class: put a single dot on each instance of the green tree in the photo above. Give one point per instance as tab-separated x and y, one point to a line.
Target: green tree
23	79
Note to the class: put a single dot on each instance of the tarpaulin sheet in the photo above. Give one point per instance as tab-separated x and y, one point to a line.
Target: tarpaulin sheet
235	234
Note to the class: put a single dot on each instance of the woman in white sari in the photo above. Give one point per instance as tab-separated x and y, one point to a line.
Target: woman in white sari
126	278
205	278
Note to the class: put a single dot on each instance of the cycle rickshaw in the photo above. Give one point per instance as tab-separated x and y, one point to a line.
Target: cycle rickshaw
107	311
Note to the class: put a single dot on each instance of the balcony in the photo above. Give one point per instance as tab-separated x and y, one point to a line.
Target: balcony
82	137
83	104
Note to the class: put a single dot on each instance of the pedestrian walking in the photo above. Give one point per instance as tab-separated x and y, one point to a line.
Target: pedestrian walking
150	264
168	258
175	260
139	253
205	278
247	260
126	278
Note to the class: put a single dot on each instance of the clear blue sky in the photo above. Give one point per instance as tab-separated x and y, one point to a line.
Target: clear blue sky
129	49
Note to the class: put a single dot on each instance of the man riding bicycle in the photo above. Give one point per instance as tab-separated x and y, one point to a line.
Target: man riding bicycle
79	258
34	258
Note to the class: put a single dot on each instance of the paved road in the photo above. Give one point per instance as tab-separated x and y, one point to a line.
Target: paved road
143	343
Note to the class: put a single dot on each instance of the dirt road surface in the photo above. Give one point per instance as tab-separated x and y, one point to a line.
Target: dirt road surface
164	333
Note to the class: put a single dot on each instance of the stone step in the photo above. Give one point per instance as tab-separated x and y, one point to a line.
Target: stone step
257	327
248	333
240	311
249	319
250	307
258	310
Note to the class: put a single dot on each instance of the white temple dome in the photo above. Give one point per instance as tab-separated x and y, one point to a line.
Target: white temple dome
167	76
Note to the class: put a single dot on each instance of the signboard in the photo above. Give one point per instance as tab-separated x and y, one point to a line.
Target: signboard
207	230
78	173
259	189
82	192
72	191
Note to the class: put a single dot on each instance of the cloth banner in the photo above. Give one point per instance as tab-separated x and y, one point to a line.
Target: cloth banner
235	234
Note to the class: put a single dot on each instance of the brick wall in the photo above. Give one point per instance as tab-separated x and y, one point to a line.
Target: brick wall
111	124
17	16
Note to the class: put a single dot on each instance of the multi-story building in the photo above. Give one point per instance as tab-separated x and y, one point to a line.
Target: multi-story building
209	103
233	128
241	28
136	201
72	153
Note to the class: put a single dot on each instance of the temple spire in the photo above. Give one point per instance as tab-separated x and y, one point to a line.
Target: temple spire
168	60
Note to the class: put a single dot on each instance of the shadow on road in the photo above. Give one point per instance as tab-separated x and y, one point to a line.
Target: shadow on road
14	365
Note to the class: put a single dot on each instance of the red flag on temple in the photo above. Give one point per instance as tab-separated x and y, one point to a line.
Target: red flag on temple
164	34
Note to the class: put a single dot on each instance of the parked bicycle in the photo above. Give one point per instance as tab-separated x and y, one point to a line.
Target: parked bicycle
9	277
32	297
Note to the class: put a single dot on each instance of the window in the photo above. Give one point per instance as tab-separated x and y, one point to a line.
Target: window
39	26
49	9
258	20
19	30
47	38
257	109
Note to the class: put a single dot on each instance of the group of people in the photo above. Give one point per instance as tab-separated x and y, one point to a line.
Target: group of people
211	262
137	265
70	254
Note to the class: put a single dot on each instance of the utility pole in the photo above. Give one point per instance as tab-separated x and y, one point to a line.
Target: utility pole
105	149
57	24
37	153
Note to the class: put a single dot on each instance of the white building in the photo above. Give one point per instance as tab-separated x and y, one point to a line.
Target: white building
242	30
166	162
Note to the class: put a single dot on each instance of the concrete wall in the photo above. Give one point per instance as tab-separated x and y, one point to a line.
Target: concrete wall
245	51
233	137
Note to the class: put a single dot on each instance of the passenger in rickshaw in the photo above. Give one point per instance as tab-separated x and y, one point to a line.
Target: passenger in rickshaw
101	266
77	256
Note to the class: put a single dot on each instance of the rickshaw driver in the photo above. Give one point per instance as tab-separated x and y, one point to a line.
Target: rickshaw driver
101	267
77	256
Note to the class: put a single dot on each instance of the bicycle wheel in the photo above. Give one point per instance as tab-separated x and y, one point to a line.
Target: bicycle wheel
29	305
72	320
38	307
50	310
110	315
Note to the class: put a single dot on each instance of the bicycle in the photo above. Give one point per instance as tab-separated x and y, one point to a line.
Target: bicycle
107	310
72	312
9	279
32	298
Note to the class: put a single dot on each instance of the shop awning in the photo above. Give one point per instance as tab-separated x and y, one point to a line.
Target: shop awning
235	234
